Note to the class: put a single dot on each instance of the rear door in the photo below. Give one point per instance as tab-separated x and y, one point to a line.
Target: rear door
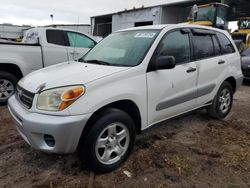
172	91
54	49
211	63
78	45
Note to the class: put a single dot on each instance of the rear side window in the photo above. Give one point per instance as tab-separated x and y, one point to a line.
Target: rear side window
203	46
217	50
175	44
79	40
226	45
56	37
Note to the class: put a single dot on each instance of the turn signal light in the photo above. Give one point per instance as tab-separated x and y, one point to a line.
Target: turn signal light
70	96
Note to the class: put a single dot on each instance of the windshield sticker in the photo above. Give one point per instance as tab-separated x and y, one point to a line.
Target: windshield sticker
145	35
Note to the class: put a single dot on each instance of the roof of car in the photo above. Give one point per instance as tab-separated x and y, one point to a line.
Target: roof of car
160	27
62	29
157	27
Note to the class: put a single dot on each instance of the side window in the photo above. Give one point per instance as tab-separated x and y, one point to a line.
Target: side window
217	50
56	37
175	44
79	40
226	45
203	46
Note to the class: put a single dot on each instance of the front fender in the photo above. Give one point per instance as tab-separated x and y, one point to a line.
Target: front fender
123	86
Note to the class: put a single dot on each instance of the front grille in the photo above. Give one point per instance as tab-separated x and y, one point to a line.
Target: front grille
24	97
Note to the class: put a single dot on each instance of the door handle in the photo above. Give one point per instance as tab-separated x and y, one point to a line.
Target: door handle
74	52
221	62
191	69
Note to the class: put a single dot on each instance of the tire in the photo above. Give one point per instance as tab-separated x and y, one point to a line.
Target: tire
222	102
7	86
106	130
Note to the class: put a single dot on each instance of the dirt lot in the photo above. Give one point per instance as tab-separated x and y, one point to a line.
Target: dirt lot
192	151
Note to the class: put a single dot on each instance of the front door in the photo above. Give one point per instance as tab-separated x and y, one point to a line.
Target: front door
172	91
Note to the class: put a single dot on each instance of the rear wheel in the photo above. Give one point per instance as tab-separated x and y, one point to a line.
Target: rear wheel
222	102
109	141
7	86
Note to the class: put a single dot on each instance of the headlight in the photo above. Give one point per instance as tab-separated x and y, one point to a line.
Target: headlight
59	98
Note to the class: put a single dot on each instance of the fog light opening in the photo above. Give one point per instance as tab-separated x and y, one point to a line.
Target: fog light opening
49	140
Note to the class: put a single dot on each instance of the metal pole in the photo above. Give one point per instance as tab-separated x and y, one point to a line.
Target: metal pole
52	18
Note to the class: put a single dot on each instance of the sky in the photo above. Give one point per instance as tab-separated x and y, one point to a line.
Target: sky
37	12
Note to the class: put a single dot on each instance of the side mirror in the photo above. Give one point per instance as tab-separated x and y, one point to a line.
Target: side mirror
165	62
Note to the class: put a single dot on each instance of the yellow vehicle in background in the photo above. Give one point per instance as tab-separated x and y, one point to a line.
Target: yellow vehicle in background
243	33
213	14
216	15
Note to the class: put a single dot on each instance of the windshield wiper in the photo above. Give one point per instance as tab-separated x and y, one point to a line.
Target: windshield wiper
99	62
95	61
81	60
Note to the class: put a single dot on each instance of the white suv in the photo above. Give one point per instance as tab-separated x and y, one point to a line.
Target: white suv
131	80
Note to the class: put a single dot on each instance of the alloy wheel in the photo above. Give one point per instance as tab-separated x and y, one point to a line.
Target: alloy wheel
224	101
6	89
112	143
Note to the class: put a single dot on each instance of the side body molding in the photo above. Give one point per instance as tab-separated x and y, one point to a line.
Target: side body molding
186	97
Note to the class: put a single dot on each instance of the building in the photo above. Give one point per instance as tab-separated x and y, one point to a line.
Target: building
83	28
12	32
169	13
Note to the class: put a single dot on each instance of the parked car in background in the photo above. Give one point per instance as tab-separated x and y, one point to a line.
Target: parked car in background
245	58
129	81
41	47
240	45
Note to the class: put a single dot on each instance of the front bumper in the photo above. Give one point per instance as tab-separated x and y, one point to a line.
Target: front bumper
66	130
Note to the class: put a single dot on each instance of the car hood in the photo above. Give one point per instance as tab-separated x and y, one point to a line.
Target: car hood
64	74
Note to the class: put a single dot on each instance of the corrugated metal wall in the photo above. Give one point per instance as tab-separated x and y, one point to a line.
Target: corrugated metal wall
12	31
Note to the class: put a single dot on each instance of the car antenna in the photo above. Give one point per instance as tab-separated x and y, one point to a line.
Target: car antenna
77	28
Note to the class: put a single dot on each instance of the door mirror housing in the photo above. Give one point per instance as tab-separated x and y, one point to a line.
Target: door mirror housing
165	62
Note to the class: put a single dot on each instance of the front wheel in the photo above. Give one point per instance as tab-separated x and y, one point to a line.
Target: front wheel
222	102
7	86
109	141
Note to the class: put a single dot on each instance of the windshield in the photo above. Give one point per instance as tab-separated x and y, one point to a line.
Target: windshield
126	48
244	24
206	13
221	16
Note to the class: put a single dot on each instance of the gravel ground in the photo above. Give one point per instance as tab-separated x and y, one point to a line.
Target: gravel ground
191	151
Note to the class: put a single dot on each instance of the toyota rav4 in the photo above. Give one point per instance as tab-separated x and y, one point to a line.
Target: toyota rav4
131	80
